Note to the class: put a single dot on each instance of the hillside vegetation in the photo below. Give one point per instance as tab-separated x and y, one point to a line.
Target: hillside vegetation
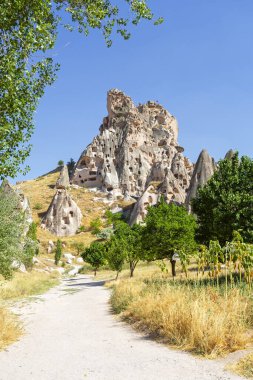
40	192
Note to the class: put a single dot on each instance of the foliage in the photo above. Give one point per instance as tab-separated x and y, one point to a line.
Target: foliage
105	234
58	252
130	241
81	229
95	226
111	217
28	30
78	246
38	206
225	203
25	29
169	229
31	246
11	232
95	255
71	166
60	163
115	255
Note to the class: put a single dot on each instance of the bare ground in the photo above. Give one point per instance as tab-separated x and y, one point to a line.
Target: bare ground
72	335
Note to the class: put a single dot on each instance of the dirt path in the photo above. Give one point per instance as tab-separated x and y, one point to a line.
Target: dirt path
71	335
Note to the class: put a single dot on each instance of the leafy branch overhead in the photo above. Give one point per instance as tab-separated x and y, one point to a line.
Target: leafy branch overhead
28	31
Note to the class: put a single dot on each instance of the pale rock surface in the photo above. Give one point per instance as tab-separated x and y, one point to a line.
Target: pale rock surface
68	256
171	190
63	180
63	217
230	154
50	247
203	171
135	146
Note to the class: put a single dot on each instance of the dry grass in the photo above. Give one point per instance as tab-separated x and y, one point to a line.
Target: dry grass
22	285
27	284
40	192
198	319
244	367
10	329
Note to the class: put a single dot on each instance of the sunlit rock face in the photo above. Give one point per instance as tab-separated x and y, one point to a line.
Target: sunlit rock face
203	171
136	146
63	180
63	217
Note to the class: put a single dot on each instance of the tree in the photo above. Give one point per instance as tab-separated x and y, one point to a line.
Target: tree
111	217
71	166
12	228
225	203
28	30
60	163
130	240
58	252
78	246
95	226
169	229
95	255
116	256
31	246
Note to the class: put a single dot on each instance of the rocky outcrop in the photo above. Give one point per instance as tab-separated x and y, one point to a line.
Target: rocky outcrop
63	180
203	171
63	217
135	147
169	188
230	154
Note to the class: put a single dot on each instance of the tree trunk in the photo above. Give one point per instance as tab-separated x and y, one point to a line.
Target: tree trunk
132	269
173	267
117	275
95	272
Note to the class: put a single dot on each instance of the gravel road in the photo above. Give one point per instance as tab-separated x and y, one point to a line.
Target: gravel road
71	335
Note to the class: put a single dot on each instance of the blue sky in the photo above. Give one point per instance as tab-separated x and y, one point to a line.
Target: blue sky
198	65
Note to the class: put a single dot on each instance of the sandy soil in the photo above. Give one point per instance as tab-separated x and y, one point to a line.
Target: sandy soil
71	335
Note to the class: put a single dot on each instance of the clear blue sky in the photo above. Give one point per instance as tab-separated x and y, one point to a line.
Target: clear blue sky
198	64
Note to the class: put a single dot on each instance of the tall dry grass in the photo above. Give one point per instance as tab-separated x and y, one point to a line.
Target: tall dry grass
27	284
198	319
22	285
10	329
244	366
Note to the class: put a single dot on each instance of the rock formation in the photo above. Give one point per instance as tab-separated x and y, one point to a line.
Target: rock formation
63	180
230	154
63	217
203	171
135	147
170	189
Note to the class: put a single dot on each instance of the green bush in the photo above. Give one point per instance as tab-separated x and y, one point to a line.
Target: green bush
58	252
12	229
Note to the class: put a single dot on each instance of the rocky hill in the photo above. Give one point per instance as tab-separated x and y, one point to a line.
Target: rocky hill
135	146
133	160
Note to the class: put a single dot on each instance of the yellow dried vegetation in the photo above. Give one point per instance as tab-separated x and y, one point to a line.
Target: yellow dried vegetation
40	193
10	329
197	319
244	366
27	284
20	286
